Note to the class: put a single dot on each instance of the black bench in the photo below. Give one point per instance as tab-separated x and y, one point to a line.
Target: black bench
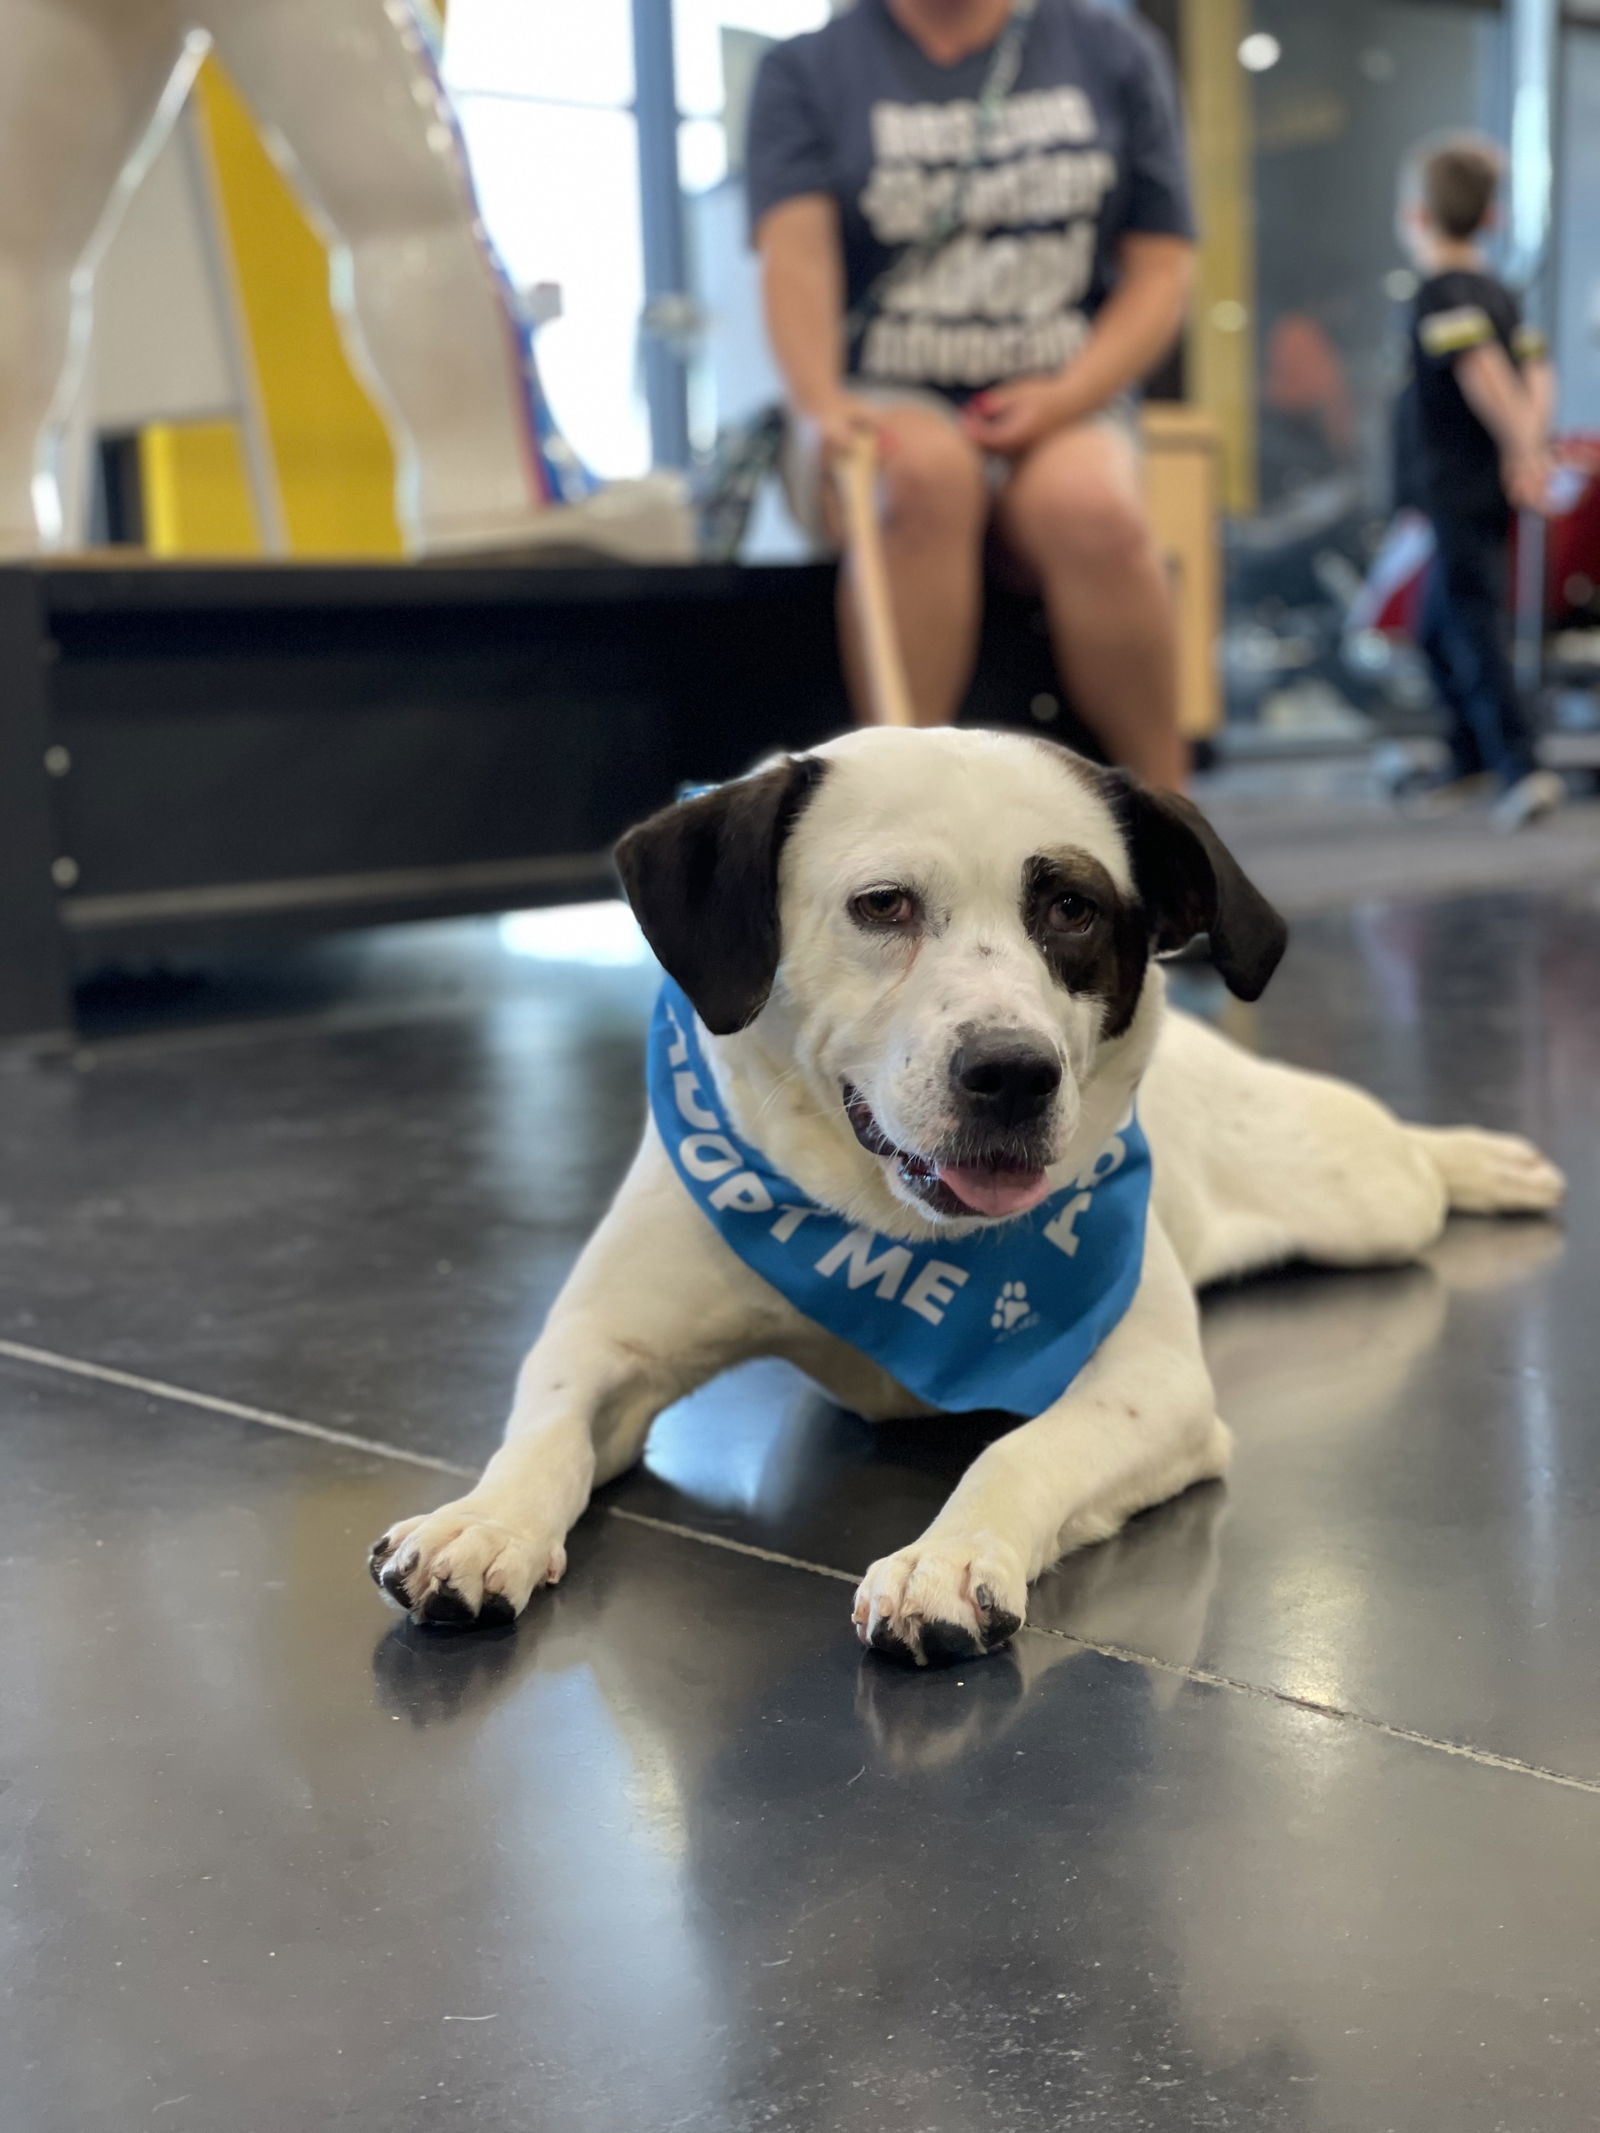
194	755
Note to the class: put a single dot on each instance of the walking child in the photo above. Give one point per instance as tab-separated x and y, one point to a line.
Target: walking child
1474	424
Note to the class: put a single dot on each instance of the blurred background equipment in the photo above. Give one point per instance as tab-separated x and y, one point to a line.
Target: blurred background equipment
1296	167
188	755
355	115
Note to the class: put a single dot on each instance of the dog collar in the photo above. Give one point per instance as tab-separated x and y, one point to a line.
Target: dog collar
999	1318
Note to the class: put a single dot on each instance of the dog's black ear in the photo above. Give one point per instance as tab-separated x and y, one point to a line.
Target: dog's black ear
702	877
1190	883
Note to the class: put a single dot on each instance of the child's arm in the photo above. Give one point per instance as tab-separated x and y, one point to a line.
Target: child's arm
1532	351
1539	382
1502	401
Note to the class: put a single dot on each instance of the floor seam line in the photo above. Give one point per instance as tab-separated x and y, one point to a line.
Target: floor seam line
236	1410
373	1447
1124	1655
1208	1677
731	1546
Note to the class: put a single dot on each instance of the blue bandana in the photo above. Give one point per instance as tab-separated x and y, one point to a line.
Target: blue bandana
1003	1318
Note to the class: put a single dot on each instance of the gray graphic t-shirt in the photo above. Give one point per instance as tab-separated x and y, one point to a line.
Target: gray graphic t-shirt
1087	149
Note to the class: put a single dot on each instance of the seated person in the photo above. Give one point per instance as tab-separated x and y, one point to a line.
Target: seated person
1042	229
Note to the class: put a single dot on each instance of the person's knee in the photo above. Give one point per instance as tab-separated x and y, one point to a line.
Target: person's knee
933	479
1094	526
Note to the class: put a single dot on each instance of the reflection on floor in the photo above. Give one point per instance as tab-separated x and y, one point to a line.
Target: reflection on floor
1283	1815
1323	836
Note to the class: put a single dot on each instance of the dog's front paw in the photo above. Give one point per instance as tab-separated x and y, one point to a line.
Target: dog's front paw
942	1600
1496	1173
457	1566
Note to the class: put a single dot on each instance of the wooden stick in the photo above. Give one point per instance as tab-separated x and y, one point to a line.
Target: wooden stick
887	690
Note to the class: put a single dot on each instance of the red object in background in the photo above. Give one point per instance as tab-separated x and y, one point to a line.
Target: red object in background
1572	541
1391	600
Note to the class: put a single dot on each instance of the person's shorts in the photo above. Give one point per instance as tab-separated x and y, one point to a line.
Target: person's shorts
800	464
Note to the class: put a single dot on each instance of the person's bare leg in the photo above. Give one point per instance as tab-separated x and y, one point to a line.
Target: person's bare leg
934	503
1073	512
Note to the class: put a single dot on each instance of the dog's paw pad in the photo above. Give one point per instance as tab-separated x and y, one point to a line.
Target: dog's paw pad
885	1639
945	1643
445	1609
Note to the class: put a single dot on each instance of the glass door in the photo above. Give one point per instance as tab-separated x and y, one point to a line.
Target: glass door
546	96
718	45
607	145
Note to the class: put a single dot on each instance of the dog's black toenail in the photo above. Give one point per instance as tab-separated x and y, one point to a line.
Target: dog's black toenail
378	1557
999	1627
999	1624
943	1643
391	1582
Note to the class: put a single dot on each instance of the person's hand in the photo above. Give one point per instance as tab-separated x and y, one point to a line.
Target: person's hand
1011	419
1526	479
843	421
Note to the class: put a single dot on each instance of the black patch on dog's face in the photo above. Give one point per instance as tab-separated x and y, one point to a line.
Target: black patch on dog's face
1187	881
1094	939
702	877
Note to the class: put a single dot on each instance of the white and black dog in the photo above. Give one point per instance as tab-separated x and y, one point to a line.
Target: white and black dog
916	1007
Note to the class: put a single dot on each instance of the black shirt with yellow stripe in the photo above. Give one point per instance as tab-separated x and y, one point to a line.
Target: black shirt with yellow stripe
1449	463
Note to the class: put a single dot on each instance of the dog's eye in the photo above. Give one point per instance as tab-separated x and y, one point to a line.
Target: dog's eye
1072	913
885	907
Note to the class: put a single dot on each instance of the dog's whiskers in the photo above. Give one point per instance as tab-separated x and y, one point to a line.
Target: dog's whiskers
810	1113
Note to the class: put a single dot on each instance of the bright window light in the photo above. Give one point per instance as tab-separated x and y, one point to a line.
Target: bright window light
559	186
605	934
697	27
702	154
543	48
1260	51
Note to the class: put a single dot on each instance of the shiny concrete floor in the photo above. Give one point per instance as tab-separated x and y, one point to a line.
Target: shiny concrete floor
1286	1814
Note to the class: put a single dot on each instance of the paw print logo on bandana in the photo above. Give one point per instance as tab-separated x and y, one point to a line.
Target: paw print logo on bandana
1010	1306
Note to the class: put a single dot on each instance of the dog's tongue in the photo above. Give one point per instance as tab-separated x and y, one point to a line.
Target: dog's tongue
995	1193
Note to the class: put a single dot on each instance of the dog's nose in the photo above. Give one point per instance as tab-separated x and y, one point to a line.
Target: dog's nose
1006	1077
